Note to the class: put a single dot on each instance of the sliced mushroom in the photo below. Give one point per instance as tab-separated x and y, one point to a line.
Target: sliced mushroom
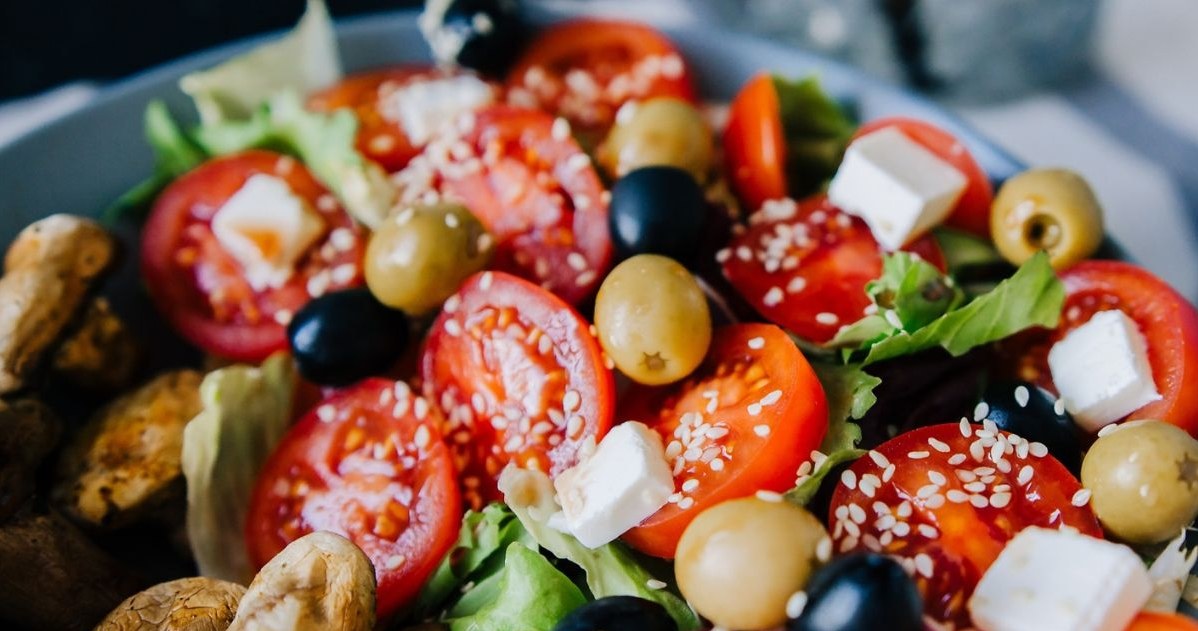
49	271
186	604
101	353
125	466
28	432
320	582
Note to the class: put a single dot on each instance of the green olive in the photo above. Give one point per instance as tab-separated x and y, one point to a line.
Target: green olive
740	561
1144	481
420	255
1046	209
652	319
660	131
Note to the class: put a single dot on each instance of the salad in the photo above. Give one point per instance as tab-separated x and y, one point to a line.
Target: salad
535	339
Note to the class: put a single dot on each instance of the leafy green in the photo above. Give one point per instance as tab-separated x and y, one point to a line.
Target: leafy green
246	411
303	60
174	154
809	486
816	131
611	569
529	595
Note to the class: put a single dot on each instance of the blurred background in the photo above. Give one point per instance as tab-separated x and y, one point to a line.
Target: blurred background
1106	87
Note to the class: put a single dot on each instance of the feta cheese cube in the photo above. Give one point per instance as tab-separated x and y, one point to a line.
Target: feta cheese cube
1101	370
424	107
1050	580
266	228
625	481
898	187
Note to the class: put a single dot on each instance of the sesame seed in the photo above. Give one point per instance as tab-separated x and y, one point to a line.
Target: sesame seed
934	502
576	261
878	458
796	284
823	549
975	487
903	510
977	450
394	561
560	129
966	428
744	253
1000	500
571	400
655	584
585	278
686	503
1038	449
957	459
754	409
762	430
918	455
938	445
923	565
888	473
1081	498
773	297
326	413
981	411
1022	396
927	491
722	255
937	478
979	501
757	343
452	327
484	282
827	318
867	488
853	529
283	316
716	465
901	529
769	496
928	531
990	426
849	479
422	437
892	318
957	497
452	303
1058	406
856	513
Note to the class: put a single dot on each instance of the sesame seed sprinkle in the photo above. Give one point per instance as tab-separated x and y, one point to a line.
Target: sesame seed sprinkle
918	455
938	445
827	318
757	343
655	584
762	430
1058	406
965	427
1081	498
1022	396
1038	449
981	411
878	458
768	496
326	413
849	479
796	604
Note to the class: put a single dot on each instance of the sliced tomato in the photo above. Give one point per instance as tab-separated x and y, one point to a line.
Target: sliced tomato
584	70
520	379
1168	322
1148	621
755	143
945	499
535	191
368	464
973	209
804	265
742	422
202	290
372	96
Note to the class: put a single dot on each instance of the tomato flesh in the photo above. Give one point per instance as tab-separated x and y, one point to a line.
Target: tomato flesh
742	422
945	504
804	265
755	143
201	289
1149	621
368	464
584	70
520	380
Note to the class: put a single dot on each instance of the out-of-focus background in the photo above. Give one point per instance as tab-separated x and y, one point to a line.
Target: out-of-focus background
1106	87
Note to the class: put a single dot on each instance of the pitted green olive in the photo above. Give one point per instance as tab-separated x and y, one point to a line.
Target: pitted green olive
1046	209
662	131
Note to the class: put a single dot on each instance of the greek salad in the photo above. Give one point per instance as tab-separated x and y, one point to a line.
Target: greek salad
535	338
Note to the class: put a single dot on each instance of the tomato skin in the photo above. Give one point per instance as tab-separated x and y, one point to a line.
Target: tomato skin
836	259
755	144
504	390
938	493
603	51
200	289
972	213
1168	322
742	374
1149	621
355	467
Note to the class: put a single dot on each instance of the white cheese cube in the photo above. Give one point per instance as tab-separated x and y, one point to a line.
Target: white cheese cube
1101	370
424	107
625	481
266	228
898	187
1049	580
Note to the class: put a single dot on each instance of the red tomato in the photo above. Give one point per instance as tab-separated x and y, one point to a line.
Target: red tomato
520	379
804	265
755	144
535	191
1147	621
584	70
973	209
368	464
945	503
371	97
743	421
1168	322
202	290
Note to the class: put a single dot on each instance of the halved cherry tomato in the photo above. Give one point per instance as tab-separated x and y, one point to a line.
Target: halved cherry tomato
381	136
520	379
755	143
1168	322
584	70
535	191
945	499
202	290
743	421
1148	621
973	209
804	265
368	464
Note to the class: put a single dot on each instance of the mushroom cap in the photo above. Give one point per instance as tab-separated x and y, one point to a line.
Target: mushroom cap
186	604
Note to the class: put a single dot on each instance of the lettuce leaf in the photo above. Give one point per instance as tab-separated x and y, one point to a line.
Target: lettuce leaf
303	60
816	131
175	153
849	391
611	569
529	595
246	411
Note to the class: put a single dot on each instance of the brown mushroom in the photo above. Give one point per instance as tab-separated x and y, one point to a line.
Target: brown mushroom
125	466
49	271
28	432
319	582
101	353
186	604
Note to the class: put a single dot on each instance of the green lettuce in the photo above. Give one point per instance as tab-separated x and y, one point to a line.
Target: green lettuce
528	595
246	411
611	569
849	391
175	153
816	131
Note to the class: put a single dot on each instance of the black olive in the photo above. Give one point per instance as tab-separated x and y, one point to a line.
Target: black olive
657	210
860	592
618	613
481	34
1031	413
344	336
